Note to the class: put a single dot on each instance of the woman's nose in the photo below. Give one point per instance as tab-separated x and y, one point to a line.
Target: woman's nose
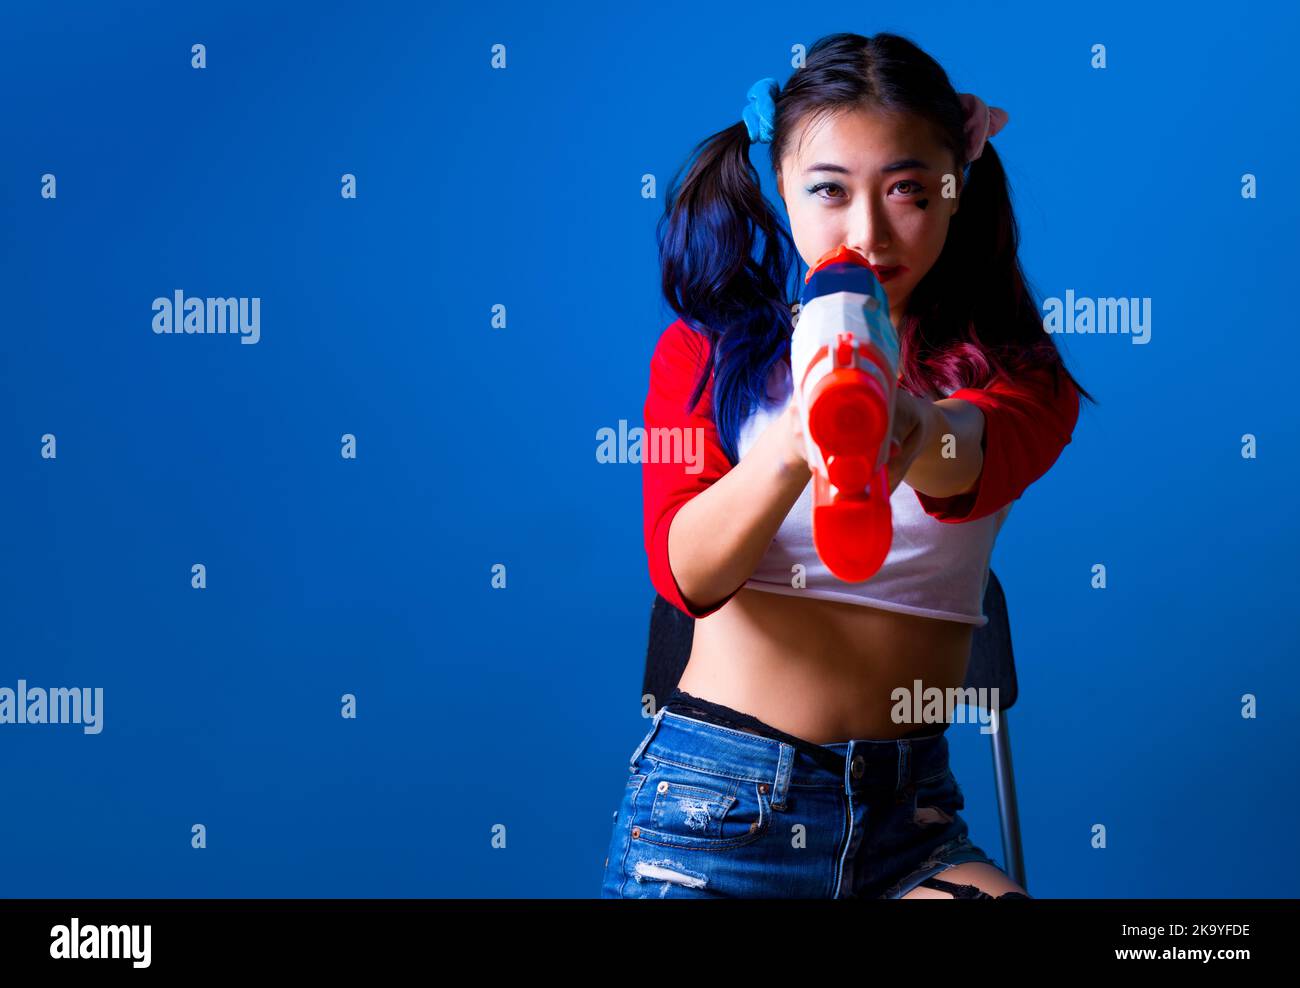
869	231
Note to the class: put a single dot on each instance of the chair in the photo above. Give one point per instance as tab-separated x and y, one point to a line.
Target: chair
992	664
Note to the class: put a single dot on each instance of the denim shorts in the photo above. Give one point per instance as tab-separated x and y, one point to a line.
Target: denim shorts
713	811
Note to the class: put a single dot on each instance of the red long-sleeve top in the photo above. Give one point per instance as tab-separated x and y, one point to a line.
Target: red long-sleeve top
1025	429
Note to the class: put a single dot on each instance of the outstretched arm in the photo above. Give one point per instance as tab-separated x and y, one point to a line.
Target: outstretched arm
706	531
1007	435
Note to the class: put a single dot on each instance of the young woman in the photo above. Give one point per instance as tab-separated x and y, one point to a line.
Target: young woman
780	766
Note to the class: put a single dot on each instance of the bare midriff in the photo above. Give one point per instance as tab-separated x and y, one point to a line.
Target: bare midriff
822	670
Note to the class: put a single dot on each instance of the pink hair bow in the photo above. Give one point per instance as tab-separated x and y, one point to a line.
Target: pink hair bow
982	122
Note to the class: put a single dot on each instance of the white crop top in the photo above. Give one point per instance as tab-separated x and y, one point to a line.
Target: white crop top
934	569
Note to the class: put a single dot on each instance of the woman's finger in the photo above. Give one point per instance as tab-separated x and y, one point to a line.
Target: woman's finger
896	468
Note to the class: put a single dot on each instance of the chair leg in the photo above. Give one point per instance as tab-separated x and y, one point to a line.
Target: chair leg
1008	811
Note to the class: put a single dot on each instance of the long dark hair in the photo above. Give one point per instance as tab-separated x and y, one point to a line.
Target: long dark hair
970	318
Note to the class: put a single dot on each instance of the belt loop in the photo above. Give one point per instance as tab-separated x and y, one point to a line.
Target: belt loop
781	784
640	749
904	762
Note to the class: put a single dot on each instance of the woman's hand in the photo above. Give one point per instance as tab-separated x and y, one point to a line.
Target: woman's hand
917	422
795	457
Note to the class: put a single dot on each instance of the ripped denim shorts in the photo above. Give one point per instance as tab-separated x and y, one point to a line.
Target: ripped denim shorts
716	811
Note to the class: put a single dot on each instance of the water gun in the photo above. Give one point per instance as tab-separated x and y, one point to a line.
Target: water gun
844	356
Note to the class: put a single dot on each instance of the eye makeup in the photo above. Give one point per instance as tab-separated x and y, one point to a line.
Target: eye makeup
815	189
825	185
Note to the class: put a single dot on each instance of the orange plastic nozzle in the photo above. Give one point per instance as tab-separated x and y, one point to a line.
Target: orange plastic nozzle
842	253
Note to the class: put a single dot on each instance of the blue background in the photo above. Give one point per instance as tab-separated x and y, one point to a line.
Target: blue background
476	446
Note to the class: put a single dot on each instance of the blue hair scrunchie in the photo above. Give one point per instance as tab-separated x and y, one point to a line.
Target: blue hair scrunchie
760	112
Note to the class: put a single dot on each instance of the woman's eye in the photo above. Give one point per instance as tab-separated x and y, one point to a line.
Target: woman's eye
825	185
911	188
